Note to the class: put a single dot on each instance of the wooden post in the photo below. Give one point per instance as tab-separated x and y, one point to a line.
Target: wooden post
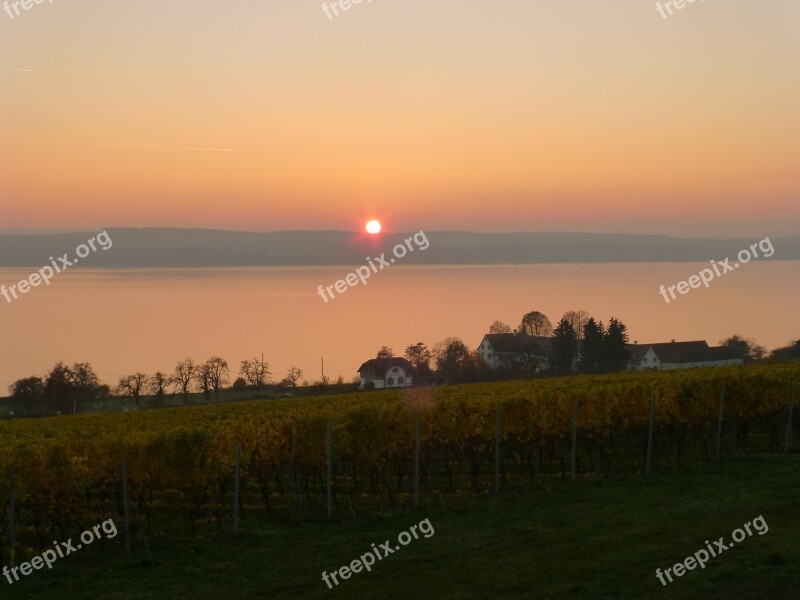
416	464
236	490
12	532
719	424
574	438
330	471
789	422
126	508
650	432
497	450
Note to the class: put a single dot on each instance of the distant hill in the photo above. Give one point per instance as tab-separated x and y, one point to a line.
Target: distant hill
165	247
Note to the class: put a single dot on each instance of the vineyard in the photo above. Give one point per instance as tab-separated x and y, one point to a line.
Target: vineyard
180	463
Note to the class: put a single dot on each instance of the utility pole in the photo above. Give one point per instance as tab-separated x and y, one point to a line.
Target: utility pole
323	368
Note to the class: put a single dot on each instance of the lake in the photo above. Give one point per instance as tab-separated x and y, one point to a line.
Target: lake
127	320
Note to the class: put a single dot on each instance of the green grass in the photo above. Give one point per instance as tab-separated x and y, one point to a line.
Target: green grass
592	538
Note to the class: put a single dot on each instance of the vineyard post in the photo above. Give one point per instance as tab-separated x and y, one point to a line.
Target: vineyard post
236	490
12	533
719	424
416	465
126	508
789	422
330	471
497	450
574	437
650	432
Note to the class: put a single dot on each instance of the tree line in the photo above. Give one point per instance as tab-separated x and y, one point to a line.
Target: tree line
66	389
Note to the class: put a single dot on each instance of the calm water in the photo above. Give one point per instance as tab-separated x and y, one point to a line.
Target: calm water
122	321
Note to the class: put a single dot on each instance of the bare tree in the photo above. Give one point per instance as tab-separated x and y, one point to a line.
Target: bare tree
499	327
202	375
578	319
133	386
217	373
255	372
158	384
292	377
536	323
184	375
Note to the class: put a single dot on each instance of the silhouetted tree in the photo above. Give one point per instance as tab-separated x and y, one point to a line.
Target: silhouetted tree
578	320
592	347
615	352
59	389
749	349
499	327
158	384
536	323
419	356
790	351
185	373
451	355
217	373
133	386
565	344
27	392
255	372
385	352
292	377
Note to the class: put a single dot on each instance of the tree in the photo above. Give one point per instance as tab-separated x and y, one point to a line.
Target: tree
419	356
202	375
292	377
133	386
578	320
240	384
592	348
185	373
157	385
499	327
615	351
536	323
749	349
451	355
790	351
565	344
255	372
217	373
26	392
385	352
59	389
86	384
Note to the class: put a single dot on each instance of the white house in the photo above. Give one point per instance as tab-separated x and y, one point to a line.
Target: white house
383	373
681	355
511	350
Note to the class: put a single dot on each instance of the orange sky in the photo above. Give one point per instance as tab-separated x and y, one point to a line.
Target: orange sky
591	115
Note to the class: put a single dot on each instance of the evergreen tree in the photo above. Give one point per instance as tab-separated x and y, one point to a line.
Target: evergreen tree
615	353
592	348
565	345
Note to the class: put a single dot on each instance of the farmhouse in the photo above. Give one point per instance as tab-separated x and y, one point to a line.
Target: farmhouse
681	355
382	373
515	350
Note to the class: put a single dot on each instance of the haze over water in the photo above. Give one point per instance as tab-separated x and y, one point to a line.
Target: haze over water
123	321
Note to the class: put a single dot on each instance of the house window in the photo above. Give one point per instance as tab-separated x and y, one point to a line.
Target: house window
400	380
390	381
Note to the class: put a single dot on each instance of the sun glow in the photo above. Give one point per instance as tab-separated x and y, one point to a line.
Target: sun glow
373	227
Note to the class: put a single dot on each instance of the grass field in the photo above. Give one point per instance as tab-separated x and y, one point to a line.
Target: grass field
592	538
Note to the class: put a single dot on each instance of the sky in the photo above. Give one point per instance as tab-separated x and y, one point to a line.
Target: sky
511	115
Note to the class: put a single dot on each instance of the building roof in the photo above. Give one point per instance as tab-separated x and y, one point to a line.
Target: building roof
382	365
683	352
518	342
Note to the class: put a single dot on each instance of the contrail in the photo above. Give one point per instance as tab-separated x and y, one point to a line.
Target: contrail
166	147
26	70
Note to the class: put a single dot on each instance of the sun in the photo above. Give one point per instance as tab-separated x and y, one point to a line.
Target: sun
373	227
